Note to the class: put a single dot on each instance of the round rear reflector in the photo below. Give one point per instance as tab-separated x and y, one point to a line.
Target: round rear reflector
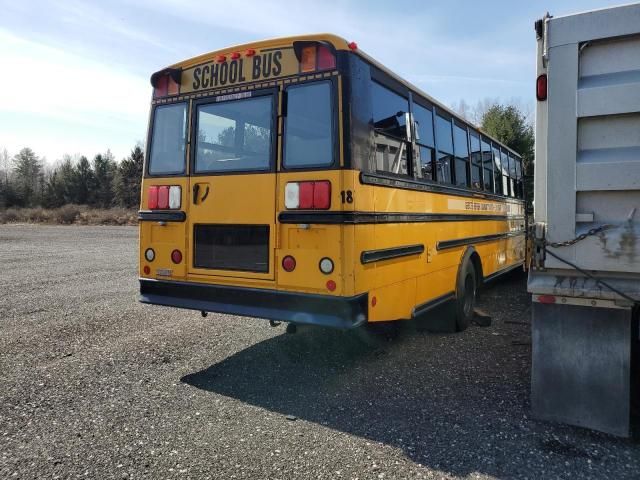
149	254
331	285
146	270
176	256
326	265
289	263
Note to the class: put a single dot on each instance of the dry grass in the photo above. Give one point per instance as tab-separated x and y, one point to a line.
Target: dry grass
70	214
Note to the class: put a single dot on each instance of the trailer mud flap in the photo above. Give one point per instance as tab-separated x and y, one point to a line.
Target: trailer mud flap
581	366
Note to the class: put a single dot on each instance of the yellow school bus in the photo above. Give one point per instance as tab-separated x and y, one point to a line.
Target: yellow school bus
299	180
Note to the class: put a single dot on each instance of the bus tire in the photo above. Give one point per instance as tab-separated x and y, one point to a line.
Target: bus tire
466	290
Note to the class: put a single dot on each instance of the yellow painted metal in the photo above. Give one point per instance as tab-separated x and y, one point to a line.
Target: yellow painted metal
398	285
164	238
245	199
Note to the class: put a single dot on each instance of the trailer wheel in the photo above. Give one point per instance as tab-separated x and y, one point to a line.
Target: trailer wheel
466	289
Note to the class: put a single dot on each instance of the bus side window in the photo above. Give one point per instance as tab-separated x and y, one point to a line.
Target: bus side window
504	166
476	161
423	118
520	182
461	147
497	168
513	177
444	144
487	163
390	112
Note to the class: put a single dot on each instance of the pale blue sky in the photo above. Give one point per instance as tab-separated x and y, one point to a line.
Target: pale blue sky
76	73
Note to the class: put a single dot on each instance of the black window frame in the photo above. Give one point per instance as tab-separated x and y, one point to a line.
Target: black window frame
334	127
210	99
379	78
418	101
486	141
438	112
505	171
497	169
147	161
488	172
478	162
467	161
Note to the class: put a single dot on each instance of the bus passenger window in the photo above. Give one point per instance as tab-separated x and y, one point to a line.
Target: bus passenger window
461	146
476	161
308	139
444	141
497	167
504	163
519	182
390	130
423	118
487	162
513	176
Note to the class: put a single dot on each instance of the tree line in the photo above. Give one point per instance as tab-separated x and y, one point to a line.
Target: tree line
26	180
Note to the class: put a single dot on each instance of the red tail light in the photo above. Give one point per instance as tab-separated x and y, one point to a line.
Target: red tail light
546	299
321	195
314	56
163	197
541	87
289	263
176	256
308	195
326	59
166	86
152	198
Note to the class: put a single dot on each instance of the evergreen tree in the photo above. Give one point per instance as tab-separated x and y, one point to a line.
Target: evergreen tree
129	179
104	170
28	177
83	182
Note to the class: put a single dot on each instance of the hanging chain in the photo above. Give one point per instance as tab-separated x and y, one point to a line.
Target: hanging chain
582	236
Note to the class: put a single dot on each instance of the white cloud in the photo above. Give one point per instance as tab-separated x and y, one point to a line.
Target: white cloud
56	86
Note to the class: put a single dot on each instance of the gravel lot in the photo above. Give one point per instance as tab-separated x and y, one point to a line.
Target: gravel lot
97	385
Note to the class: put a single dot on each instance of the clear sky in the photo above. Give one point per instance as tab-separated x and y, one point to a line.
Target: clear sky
75	74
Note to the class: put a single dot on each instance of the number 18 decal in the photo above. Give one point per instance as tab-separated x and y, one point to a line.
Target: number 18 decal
347	196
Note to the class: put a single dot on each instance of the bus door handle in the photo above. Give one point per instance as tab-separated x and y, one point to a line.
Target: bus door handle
196	191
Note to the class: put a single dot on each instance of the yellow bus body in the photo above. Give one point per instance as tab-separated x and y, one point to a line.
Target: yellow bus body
438	226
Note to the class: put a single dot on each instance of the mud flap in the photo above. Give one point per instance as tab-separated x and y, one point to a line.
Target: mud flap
581	366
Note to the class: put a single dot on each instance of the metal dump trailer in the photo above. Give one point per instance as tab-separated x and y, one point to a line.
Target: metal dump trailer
585	269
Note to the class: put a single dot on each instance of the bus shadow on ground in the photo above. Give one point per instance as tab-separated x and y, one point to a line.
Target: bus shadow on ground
457	403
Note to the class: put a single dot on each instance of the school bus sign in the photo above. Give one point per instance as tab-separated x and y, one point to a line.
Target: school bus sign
263	65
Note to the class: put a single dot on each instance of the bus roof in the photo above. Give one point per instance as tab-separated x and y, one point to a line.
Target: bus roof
338	43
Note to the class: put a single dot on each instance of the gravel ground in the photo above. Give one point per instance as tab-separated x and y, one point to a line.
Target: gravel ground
97	385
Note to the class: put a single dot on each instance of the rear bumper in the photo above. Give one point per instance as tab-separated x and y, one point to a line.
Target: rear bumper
323	310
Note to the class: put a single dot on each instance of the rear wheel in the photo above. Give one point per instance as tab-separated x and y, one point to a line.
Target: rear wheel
466	289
